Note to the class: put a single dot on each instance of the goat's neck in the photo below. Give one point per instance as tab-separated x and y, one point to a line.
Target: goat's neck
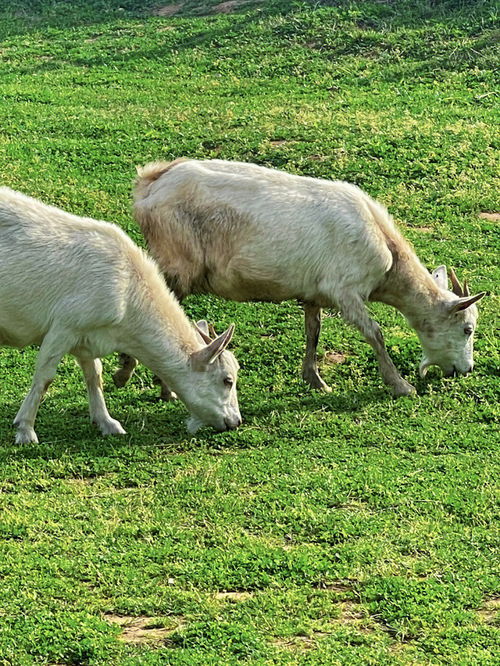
163	341
410	288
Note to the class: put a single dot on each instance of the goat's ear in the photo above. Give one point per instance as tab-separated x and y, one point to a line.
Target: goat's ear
203	331
439	274
200	359
465	302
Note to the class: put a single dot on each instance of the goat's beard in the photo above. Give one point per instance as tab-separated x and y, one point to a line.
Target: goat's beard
193	424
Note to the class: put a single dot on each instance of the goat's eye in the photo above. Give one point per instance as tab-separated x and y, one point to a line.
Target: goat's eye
468	330
228	381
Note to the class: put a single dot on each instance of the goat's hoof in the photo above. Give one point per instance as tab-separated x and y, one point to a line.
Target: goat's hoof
402	389
111	427
167	396
26	436
317	383
120	378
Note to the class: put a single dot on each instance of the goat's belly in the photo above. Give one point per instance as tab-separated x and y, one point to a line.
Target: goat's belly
9	339
238	287
96	343
19	332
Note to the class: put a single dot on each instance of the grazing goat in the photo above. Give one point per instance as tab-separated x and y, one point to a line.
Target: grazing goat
80	286
249	233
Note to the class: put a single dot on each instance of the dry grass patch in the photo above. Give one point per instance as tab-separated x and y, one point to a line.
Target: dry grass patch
234	597
489	611
144	629
342	590
494	217
276	143
334	357
299	643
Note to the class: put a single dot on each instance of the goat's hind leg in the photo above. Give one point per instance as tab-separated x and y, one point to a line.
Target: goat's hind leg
55	344
354	311
92	371
310	374
165	393
127	367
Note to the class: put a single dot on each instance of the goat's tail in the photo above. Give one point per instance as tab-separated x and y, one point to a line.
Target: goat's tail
148	173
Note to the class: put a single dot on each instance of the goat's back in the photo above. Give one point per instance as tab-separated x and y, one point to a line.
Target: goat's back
247	232
58	266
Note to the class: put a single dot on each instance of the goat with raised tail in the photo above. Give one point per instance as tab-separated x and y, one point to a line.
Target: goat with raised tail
80	286
249	233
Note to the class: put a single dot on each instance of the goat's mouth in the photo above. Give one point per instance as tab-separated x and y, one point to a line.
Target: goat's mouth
194	424
448	371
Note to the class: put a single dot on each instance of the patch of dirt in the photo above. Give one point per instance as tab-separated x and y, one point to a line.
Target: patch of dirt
235	597
423	230
142	629
169	10
230	6
227	7
299	643
280	142
494	217
341	589
490	610
202	9
351	614
334	357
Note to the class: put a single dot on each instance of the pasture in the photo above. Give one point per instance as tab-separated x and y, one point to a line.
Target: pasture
330	529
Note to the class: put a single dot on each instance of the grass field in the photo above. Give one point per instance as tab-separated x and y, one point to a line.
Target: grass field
341	529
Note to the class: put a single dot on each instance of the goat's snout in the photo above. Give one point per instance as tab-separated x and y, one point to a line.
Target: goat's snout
455	372
233	423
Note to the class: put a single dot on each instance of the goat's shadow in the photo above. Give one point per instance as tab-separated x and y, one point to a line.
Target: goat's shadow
151	424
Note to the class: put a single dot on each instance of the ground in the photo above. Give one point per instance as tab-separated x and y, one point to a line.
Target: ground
340	529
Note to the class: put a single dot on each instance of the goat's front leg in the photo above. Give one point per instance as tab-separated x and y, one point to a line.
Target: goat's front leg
127	366
52	349
354	311
92	371
310	373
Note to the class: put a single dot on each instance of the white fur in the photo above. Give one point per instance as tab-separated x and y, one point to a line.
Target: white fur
246	232
80	286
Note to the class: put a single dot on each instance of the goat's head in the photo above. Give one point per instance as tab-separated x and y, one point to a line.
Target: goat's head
447	336
214	400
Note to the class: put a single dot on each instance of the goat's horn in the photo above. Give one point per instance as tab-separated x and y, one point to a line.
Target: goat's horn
466	289
457	289
465	302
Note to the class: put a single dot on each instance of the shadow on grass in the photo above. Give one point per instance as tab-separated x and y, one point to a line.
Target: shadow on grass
152	425
69	430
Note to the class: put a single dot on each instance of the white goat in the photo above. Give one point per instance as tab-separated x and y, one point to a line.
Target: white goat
246	232
80	286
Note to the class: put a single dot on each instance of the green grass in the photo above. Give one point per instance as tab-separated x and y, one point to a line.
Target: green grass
340	529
